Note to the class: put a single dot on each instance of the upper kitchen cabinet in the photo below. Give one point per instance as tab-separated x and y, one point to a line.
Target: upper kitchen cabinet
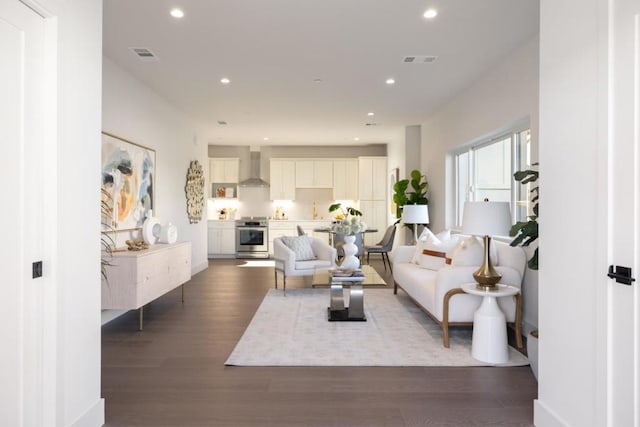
224	170
373	178
345	179
283	179
314	173
224	176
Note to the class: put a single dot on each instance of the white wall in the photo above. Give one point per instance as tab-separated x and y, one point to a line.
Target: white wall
505	95
133	111
572	274
71	317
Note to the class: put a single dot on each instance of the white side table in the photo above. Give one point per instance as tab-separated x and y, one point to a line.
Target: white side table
489	324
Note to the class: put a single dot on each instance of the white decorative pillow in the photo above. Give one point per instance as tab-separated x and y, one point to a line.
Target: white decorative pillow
433	254
301	246
467	252
436	252
470	251
417	254
443	237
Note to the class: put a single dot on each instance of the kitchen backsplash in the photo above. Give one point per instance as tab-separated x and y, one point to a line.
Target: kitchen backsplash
255	202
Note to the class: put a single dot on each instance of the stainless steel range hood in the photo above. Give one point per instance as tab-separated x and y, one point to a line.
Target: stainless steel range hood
254	179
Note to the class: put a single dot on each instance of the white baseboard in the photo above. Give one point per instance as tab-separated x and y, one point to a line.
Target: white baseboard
543	416
93	417
527	328
109	315
195	269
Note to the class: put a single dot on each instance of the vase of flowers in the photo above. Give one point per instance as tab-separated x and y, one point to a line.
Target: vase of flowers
348	223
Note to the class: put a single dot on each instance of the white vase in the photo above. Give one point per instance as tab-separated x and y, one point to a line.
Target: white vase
350	250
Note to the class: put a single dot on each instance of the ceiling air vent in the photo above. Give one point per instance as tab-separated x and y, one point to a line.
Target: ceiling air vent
144	54
222	122
372	124
419	59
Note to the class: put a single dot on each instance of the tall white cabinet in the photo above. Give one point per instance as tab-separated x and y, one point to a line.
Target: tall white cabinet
282	177
373	195
345	179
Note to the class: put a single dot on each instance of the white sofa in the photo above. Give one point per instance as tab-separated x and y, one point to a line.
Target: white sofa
439	294
287	264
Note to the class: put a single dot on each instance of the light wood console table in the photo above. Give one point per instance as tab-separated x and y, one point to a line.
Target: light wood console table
135	278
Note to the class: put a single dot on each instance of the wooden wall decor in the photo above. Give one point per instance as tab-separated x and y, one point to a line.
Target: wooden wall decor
195	192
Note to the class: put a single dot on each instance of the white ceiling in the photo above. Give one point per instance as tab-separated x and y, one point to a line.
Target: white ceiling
272	50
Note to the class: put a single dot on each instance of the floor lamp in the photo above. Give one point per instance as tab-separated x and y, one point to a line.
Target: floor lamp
486	219
415	214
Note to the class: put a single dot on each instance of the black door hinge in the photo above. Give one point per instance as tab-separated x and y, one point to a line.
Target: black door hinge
621	274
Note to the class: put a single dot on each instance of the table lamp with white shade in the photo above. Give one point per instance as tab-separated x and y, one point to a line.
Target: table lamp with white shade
486	219
415	214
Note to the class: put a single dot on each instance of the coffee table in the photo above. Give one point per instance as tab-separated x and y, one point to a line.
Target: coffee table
337	310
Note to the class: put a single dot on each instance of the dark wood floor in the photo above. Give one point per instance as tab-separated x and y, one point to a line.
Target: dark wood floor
173	373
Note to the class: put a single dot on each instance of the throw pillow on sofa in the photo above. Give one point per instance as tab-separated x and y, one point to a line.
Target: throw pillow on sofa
443	236
435	252
301	247
469	252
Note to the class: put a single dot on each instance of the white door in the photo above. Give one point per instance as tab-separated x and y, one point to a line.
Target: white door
623	330
21	135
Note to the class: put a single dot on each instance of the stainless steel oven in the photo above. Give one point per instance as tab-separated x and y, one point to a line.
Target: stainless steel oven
252	238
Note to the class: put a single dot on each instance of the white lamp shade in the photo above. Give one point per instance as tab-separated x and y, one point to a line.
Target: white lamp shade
415	214
486	218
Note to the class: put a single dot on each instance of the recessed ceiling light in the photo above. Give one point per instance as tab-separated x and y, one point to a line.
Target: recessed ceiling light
225	81
390	81
177	13
370	113
430	13
356	139
266	138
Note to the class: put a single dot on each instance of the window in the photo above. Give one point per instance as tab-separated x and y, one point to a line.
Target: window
485	170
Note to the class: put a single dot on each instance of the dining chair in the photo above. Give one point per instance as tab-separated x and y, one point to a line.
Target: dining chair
383	247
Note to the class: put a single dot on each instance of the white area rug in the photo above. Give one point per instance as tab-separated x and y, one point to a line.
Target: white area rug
294	331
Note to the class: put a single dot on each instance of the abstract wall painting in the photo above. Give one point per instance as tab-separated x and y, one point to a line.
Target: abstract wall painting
128	175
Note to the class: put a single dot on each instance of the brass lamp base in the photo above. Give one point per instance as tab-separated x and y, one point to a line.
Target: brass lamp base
486	275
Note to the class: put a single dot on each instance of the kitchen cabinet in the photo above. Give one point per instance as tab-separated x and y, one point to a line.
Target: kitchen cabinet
345	179
314	173
224	170
373	178
221	239
374	214
282	176
224	177
279	228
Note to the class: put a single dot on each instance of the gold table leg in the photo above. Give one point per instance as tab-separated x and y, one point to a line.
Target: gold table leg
141	318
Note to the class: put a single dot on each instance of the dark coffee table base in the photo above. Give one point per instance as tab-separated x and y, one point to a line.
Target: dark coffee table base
343	316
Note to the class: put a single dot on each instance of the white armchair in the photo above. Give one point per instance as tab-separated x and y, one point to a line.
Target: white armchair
287	264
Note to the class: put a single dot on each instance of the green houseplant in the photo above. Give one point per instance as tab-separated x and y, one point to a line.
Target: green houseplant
526	232
412	191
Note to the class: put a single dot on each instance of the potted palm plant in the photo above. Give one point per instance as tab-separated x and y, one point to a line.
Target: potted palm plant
410	192
526	233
